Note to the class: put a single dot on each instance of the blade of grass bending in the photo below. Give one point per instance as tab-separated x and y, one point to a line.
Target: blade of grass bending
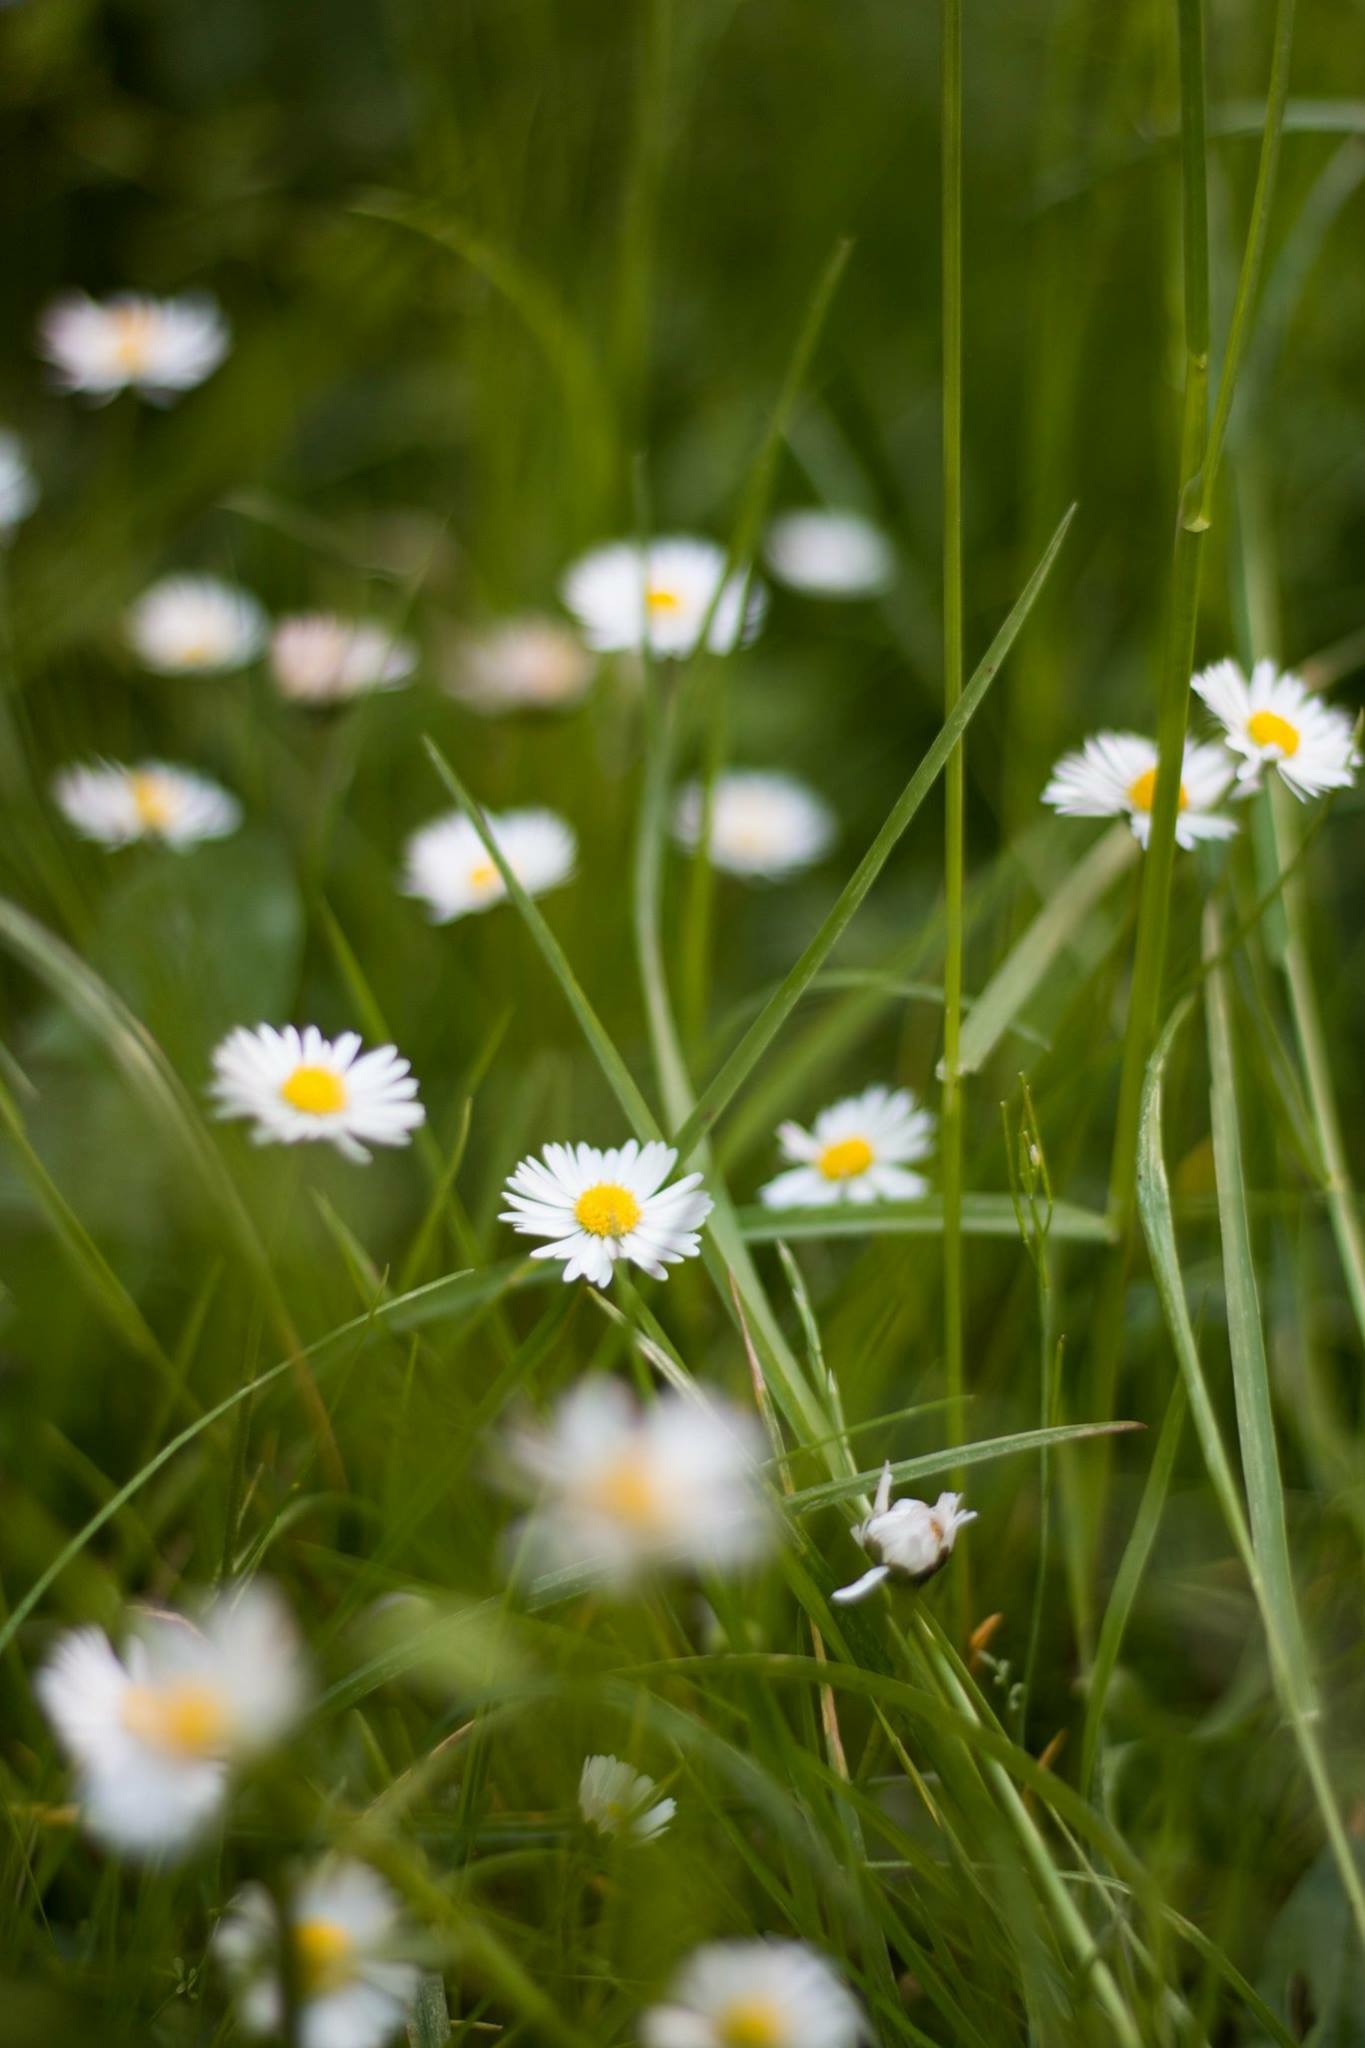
934	1462
983	1215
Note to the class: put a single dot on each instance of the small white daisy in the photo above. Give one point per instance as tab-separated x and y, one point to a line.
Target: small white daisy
857	1151
448	866
299	1086
755	1994
114	805
625	598
157	347
830	554
616	1799
520	664
1276	721
154	1734
623	1489
195	625
762	823
321	659
18	485
597	1207
908	1541
346	1930
1114	776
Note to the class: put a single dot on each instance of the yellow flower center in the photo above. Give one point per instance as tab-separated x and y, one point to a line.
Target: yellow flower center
1142	792
750	2023
660	598
186	1720
133	327
152	801
317	1091
484	876
1268	729
608	1210
323	1955
846	1159
627	1492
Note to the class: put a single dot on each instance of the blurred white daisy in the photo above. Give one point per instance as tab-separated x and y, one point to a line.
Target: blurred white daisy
18	485
626	598
346	1931
857	1151
447	865
321	659
1114	776
157	347
597	1207
616	1799
520	664
830	554
154	1734
115	805
908	1541
298	1086
195	625
755	1994
623	1488
1275	721
762	823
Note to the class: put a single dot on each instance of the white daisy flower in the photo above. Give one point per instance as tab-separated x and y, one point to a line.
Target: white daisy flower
908	1541
157	347
520	664
597	1207
830	554
625	597
345	1929
196	625
858	1151
616	1799
755	1994
1114	776
18	485
762	823
155	1734
448	866
321	659
299	1086
1276	721
623	1489
114	805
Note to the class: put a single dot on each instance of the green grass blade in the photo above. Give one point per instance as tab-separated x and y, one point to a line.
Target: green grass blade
983	1215
910	1470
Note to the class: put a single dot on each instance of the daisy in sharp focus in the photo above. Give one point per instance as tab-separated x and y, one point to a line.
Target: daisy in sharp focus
859	1150
18	485
908	1540
321	659
763	824
299	1087
155	1733
448	866
156	347
195	625
626	598
616	1799
755	1994
530	664
1114	776
114	805
597	1207
1275	721
830	554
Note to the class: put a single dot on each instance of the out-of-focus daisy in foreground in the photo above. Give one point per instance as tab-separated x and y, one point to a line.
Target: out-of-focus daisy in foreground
762	823
157	347
909	1540
623	1489
858	1150
195	625
321	659
154	1734
830	554
616	1799
1114	776
18	485
300	1087
448	866
114	805
597	1207
755	1994
345	1930
1275	721
627	598
520	664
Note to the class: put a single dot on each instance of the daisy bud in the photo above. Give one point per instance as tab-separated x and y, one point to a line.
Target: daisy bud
908	1540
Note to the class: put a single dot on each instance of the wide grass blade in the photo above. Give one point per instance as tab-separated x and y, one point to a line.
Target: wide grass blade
982	1216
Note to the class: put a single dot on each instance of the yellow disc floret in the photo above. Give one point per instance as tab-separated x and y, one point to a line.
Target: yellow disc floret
607	1210
750	2023
187	1720
152	801
1142	792
627	1492
317	1091
323	1955
660	599
845	1159
1268	729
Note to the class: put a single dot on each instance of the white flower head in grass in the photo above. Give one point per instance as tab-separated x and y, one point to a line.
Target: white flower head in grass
763	825
448	866
154	1733
1114	776
321	659
346	1932
908	1540
597	1207
830	554
18	485
114	805
1275	721
859	1150
299	1087
616	1799
755	1994
156	347
626	598
195	625
523	664
623	1489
